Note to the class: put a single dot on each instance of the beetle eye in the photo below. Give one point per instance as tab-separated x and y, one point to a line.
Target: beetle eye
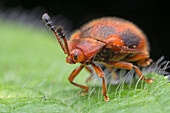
75	56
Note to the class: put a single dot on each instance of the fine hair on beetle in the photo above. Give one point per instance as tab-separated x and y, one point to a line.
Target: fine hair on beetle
111	41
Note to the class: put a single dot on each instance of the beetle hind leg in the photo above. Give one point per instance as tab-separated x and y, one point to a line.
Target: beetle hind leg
149	80
129	66
144	62
141	58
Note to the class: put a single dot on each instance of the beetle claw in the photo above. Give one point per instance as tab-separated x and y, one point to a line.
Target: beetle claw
83	93
150	80
106	98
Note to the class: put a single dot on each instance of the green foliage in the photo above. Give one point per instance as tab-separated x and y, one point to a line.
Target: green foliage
34	76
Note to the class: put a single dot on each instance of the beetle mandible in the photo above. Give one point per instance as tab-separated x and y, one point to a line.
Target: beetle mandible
115	42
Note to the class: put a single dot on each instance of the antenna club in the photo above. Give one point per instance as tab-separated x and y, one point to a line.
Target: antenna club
59	33
46	17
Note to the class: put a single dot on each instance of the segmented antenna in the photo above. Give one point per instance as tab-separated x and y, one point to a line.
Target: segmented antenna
59	33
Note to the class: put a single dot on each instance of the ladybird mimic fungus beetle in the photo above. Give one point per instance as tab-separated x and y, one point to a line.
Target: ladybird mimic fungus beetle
111	41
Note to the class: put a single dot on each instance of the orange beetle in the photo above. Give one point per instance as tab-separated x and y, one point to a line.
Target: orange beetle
112	41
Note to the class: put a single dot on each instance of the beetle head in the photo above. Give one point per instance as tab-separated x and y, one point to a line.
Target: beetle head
76	55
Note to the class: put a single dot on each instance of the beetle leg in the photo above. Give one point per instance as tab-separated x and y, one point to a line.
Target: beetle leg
113	72
73	75
91	72
144	62
142	58
101	74
129	66
108	67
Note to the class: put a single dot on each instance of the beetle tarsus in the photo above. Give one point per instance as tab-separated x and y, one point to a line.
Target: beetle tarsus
106	98
150	80
83	92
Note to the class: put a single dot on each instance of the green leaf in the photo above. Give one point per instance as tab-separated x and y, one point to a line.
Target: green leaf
34	79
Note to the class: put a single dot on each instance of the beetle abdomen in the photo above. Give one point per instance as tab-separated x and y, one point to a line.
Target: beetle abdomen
106	55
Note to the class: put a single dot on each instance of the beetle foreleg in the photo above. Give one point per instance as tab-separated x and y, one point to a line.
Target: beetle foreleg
91	72
101	74
73	75
129	66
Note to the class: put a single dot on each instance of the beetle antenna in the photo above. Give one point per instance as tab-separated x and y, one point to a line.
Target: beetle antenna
62	35
59	33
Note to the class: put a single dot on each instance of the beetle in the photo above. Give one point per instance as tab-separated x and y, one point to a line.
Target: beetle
112	41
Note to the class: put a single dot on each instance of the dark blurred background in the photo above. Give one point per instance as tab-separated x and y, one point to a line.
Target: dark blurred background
153	16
